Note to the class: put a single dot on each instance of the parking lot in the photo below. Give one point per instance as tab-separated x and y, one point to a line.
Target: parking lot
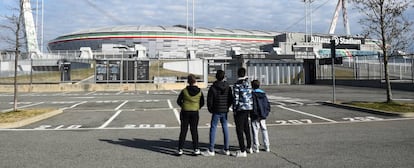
158	109
298	118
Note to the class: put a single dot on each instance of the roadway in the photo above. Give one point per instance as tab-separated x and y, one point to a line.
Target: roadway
140	129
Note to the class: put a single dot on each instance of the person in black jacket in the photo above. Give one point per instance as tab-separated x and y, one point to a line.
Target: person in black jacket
190	100
219	99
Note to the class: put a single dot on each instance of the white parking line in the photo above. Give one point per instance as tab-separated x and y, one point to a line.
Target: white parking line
90	93
301	112
177	115
77	104
22	107
117	108
110	119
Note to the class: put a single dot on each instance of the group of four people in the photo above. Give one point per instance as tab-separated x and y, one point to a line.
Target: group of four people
246	99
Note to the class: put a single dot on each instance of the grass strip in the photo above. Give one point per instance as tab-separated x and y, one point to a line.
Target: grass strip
392	107
14	116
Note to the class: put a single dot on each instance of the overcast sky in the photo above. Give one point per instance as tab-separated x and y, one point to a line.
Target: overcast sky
66	16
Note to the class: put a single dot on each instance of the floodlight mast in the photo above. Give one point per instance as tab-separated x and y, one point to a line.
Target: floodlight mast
341	4
30	30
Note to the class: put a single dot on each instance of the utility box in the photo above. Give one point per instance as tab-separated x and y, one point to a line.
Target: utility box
65	71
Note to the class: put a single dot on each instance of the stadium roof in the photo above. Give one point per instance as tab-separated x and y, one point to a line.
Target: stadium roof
177	29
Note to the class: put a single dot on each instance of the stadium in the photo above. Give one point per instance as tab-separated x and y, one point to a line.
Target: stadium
166	41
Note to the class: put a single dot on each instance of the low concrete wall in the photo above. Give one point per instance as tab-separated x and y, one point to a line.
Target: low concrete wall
95	87
407	86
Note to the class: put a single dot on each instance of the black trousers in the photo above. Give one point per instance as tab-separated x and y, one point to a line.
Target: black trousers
189	118
241	119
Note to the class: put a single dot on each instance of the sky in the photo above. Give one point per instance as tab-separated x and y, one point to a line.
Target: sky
66	16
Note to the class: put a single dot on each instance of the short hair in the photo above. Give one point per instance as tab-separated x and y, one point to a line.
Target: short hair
255	84
220	75
241	72
191	79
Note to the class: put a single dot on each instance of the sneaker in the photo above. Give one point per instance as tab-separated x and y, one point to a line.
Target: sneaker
208	153
180	152
196	152
249	150
240	154
226	152
267	149
256	150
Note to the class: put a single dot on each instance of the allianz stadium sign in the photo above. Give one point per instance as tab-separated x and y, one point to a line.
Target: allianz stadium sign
339	40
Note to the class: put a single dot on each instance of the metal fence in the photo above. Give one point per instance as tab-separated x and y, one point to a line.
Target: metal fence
359	68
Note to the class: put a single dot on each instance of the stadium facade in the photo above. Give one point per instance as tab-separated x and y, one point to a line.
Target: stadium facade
167	41
176	41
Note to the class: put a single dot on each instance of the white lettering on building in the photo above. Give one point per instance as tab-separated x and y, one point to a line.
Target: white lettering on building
342	40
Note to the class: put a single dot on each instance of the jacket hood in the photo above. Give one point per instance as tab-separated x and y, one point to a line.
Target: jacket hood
258	90
193	90
220	85
259	93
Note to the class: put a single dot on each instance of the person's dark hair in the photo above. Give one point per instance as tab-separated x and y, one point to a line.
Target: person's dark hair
241	72
220	75
255	84
191	79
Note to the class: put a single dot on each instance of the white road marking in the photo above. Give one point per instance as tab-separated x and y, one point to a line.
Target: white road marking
403	99
90	93
110	119
202	127
83	97
176	113
117	108
301	112
174	91
119	92
22	107
77	104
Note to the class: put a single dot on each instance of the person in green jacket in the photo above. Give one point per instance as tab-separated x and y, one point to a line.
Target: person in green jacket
190	99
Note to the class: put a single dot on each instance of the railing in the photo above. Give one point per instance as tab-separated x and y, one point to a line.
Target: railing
357	68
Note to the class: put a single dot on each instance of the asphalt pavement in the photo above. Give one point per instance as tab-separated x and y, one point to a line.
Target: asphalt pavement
140	129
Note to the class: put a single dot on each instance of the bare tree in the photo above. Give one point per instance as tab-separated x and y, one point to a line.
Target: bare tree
385	20
15	27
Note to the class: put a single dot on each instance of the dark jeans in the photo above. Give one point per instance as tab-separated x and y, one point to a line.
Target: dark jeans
188	118
241	118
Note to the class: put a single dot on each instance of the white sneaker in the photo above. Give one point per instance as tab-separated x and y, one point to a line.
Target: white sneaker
240	154
226	152
257	150
197	152
267	149
208	153
180	152
249	150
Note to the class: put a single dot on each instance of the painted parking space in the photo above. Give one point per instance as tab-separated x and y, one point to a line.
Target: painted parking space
144	104
282	115
144	119
73	119
343	115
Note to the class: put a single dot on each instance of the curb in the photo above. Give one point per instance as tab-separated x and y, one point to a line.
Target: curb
368	110
31	120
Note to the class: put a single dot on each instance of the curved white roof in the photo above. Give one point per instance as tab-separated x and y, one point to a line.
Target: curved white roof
175	29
